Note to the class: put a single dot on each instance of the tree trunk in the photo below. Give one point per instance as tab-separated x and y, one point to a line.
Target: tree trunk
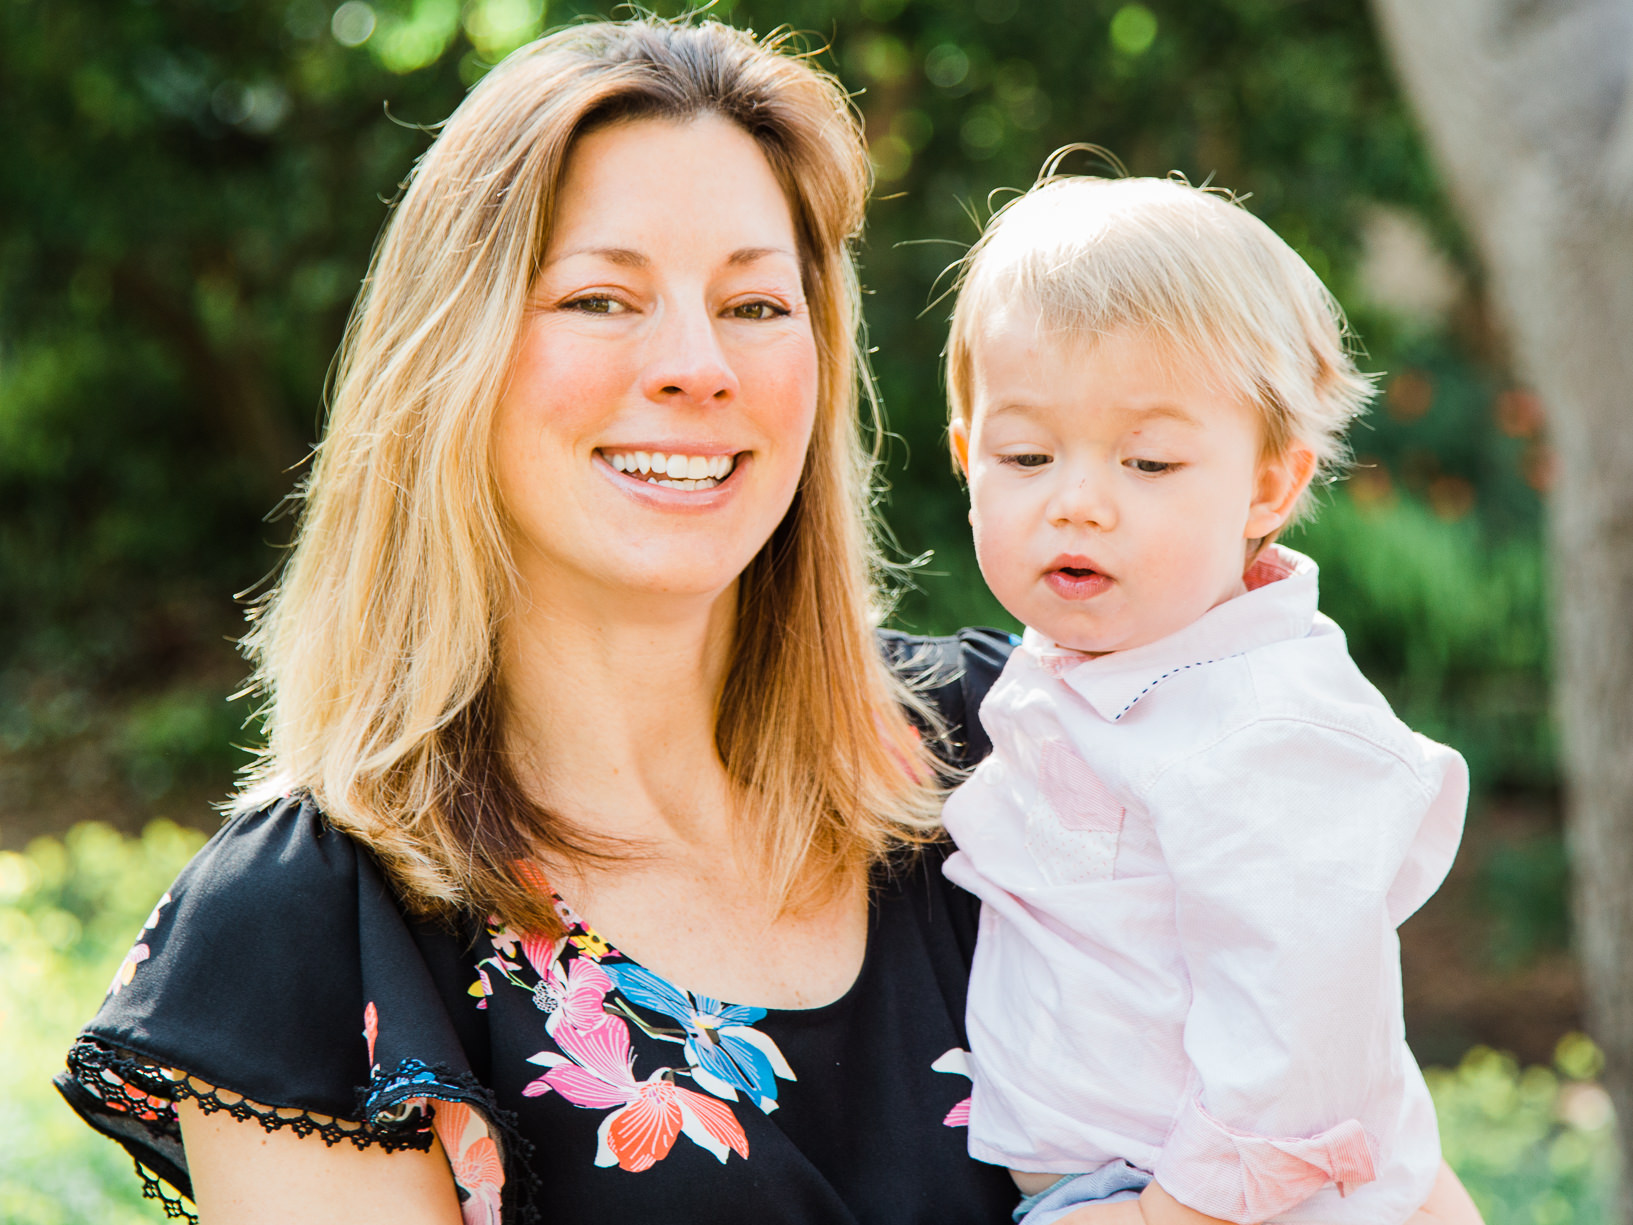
1527	109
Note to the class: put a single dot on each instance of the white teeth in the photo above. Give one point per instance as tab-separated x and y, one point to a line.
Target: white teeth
681	471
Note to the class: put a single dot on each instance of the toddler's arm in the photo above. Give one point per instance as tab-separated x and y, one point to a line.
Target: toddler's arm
1288	842
1448	1204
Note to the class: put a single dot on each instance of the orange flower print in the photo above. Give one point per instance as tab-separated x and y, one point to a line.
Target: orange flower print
474	1158
598	1071
127	968
371	1028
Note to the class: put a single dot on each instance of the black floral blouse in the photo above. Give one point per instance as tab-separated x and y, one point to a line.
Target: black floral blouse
566	1082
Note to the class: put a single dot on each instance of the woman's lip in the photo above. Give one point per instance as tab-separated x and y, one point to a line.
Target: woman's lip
668	448
662	495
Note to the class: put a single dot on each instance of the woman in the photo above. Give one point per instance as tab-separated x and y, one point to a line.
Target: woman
577	624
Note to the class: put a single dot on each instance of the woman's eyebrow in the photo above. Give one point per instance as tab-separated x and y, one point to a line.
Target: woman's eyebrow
624	256
749	255
628	257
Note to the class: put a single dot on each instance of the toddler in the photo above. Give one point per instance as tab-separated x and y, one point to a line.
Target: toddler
1199	826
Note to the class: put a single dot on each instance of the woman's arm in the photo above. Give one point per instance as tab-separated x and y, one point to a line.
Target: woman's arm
247	1175
1448	1204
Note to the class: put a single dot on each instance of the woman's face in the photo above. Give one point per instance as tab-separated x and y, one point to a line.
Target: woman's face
660	404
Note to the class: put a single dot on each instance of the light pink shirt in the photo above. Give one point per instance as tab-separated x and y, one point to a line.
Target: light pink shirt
1193	856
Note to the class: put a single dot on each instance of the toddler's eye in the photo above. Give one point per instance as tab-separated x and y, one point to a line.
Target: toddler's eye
1033	459
758	310
1151	467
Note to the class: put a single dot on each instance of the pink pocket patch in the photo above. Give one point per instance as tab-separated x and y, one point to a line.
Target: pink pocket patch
1079	799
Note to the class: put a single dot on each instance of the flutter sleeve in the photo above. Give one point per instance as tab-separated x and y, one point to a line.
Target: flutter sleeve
278	980
1296	850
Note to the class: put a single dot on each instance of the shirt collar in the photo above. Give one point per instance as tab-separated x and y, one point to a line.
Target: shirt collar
1280	604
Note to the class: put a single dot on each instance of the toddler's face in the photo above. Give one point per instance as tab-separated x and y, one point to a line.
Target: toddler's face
1113	488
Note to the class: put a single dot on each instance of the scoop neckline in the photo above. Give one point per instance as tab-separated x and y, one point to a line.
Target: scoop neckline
576	924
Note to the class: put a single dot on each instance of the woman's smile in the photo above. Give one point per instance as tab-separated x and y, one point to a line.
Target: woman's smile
673	469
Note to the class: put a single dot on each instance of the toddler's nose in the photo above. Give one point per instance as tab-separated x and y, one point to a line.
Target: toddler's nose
1083	501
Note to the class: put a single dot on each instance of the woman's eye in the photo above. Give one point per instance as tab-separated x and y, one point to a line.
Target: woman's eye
757	310
595	304
1032	459
1151	467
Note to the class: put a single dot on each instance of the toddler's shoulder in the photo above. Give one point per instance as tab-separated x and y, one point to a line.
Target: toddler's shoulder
1309	692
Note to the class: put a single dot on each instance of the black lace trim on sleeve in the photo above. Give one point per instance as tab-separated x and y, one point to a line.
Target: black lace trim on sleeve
135	1099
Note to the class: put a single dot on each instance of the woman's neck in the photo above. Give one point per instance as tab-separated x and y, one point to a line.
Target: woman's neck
610	714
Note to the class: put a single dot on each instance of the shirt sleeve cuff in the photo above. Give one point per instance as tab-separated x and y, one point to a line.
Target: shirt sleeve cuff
1243	1177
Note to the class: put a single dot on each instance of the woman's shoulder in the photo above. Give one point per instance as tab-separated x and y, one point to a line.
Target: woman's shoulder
274	854
953	672
275	899
278	978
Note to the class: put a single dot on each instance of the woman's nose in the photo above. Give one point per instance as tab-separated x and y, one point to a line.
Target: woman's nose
685	361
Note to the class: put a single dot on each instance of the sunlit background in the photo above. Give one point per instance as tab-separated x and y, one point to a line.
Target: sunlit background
189	190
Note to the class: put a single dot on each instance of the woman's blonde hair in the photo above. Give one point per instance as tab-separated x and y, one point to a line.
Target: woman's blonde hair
377	651
1190	266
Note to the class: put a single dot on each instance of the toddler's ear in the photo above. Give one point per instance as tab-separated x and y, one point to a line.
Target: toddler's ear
1282	478
959	433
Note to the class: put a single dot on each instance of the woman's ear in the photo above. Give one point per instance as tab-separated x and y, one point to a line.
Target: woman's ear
959	433
1281	479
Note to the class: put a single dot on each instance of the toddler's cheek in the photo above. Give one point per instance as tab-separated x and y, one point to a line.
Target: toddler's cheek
1002	551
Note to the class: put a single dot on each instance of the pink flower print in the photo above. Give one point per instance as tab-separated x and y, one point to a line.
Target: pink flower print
573	1000
541	954
482	987
957	1062
474	1158
127	968
598	1072
371	1027
139	951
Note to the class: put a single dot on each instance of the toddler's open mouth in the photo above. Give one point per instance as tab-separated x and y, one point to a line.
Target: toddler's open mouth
1076	578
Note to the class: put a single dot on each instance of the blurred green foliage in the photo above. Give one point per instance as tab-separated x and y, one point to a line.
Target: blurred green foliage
190	193
69	910
1533	1145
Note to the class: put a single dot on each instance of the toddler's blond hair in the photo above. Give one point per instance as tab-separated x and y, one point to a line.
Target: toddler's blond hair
1188	265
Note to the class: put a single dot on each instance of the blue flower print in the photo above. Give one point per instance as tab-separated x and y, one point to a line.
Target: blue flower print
726	1053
